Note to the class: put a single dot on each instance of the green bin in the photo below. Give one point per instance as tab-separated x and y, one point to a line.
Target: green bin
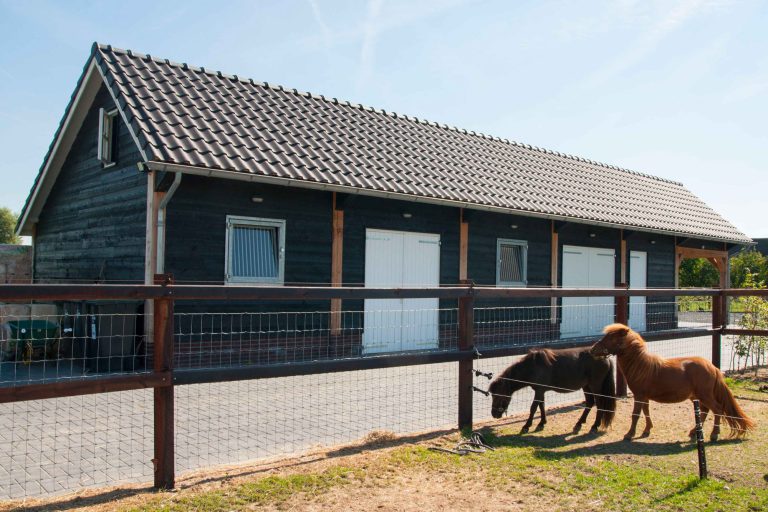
37	335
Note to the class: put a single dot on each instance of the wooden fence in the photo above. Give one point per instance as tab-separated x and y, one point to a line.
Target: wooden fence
163	377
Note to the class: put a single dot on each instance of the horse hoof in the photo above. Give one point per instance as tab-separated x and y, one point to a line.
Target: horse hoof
594	430
576	429
645	434
713	439
524	430
628	437
539	427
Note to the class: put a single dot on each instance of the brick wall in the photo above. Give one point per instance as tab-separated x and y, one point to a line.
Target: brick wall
15	263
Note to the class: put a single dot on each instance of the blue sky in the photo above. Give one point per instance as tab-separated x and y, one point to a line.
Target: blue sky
677	89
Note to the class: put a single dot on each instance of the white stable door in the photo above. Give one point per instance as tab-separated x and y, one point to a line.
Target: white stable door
587	267
398	259
638	272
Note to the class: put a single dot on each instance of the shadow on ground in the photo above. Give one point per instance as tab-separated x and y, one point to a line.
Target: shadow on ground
550	447
372	442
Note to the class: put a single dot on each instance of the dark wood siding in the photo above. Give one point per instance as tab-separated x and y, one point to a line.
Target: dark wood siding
660	249
197	213
484	231
93	225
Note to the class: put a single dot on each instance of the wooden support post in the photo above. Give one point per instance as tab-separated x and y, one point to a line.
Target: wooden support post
337	265
163	362
718	322
623	256
622	317
553	262
700	440
466	342
463	246
150	253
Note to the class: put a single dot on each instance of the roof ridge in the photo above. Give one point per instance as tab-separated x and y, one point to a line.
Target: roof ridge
392	114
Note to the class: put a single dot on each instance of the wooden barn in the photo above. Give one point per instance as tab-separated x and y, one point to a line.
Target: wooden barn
164	167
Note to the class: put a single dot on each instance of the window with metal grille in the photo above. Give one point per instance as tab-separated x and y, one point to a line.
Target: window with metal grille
107	144
255	250
511	262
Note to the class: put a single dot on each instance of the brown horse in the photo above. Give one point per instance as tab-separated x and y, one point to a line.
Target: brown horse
562	371
651	377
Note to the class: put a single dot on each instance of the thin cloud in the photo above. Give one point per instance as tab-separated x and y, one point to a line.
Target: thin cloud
650	40
324	29
367	48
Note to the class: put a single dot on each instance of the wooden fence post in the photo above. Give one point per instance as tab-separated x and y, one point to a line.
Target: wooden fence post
466	342
718	323
163	396
622	317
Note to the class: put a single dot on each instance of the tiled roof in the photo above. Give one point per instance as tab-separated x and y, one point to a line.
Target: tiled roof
195	117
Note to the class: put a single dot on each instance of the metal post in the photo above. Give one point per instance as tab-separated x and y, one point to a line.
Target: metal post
718	323
466	342
622	317
700	441
163	362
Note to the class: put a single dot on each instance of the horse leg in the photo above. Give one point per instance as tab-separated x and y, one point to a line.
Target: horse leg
543	420
704	411
598	417
635	416
648	422
589	401
528	423
716	429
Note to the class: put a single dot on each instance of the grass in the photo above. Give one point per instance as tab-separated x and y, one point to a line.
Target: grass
271	489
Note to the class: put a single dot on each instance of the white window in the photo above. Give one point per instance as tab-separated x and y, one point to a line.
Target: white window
511	262
107	142
255	250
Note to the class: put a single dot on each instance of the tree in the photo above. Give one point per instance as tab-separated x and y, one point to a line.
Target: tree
698	273
748	262
8	227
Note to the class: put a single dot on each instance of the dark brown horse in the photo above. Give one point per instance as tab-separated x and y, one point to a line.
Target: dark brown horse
651	377
563	371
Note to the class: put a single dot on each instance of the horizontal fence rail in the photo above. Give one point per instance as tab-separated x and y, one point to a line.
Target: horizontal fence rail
74	292
287	344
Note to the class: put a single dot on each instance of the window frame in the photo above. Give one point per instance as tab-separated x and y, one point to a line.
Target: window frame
106	145
238	220
523	244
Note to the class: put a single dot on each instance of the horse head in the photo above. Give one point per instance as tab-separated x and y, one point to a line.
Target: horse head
616	338
501	395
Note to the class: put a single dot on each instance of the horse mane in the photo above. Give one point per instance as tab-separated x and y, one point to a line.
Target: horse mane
543	355
639	363
505	381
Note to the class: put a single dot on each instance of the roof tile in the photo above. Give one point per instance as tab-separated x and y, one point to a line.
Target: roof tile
193	116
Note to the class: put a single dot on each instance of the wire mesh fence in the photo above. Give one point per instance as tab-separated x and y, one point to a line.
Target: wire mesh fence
58	445
52	342
229	423
214	339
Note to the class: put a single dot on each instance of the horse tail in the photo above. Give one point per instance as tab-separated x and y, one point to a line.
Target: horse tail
606	400
733	414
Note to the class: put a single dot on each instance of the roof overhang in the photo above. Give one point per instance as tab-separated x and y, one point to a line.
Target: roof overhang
88	87
288	182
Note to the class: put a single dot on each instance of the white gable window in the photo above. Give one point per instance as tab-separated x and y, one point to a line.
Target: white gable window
107	137
255	250
511	262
